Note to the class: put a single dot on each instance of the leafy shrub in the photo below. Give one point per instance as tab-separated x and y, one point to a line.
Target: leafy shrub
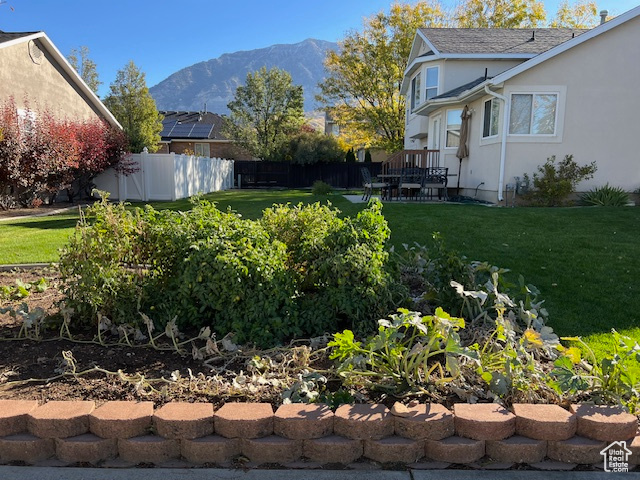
102	266
237	281
339	264
405	353
428	271
554	182
321	188
307	148
612	379
299	271
350	156
606	196
56	154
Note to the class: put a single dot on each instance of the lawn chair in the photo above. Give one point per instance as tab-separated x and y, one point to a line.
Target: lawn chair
435	178
369	184
411	182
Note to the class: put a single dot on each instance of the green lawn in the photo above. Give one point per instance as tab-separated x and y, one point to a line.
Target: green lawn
584	260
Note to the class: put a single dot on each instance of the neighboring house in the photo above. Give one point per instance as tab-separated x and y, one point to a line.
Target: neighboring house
33	69
198	133
532	93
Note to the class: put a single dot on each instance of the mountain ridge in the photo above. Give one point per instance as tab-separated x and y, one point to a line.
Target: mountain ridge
214	81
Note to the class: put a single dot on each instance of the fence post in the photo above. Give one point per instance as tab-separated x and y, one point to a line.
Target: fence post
144	157
174	197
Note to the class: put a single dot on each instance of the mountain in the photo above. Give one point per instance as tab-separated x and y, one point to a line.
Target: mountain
214	82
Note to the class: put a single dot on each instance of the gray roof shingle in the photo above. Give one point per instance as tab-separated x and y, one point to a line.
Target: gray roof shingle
462	88
8	36
497	40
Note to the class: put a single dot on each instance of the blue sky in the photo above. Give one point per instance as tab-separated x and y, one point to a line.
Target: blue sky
163	36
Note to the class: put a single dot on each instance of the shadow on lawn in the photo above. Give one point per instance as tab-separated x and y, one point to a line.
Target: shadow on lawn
45	223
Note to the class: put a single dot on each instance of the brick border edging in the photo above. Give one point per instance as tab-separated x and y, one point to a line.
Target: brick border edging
75	431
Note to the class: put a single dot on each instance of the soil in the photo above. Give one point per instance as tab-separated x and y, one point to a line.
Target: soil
32	369
26	212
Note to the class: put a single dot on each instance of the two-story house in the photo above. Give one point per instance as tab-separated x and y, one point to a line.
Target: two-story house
531	94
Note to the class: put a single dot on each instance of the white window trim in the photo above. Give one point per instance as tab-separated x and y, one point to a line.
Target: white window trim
437	87
446	125
434	142
499	103
561	112
202	148
533	94
414	105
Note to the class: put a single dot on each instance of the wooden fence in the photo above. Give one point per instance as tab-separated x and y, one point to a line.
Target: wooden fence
255	174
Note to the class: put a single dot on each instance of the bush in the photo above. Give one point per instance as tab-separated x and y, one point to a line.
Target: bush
555	182
339	265
299	271
321	188
350	157
606	196
307	148
40	157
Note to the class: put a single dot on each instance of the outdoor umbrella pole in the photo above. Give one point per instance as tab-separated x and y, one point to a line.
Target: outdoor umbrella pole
463	150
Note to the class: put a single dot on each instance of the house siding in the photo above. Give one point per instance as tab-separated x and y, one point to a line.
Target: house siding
218	149
601	107
598	104
44	85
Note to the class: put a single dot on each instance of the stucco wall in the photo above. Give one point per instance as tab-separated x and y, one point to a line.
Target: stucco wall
45	85
601	111
597	84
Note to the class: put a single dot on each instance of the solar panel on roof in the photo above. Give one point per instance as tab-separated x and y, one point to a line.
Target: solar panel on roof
181	130
201	130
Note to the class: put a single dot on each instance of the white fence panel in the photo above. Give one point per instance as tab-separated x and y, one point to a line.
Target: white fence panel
168	177
158	176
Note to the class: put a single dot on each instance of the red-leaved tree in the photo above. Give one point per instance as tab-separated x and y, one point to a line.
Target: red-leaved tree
40	155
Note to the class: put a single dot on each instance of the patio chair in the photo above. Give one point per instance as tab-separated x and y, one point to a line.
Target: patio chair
411	182
435	178
369	184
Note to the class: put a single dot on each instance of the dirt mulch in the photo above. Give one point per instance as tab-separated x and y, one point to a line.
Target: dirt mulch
22	359
27	212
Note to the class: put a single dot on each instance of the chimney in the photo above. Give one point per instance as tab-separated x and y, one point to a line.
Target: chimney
603	16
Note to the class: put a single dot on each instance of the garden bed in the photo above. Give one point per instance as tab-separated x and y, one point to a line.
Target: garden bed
24	359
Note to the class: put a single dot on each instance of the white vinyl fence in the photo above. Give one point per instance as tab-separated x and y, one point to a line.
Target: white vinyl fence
167	176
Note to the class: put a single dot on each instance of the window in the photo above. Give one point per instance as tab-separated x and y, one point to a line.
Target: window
453	128
202	150
491	118
533	114
415	91
432	82
27	121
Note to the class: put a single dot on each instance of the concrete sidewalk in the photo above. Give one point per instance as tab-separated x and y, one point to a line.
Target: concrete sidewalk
44	473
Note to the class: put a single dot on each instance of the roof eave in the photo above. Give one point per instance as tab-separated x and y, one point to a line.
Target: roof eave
468	95
569	44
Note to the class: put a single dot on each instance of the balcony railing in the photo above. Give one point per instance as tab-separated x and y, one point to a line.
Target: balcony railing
411	159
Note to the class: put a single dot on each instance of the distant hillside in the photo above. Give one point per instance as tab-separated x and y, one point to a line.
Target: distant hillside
214	82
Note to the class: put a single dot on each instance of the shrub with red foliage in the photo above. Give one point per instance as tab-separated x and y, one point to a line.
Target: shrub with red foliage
41	155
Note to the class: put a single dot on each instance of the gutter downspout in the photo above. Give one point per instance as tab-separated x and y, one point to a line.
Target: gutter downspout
503	143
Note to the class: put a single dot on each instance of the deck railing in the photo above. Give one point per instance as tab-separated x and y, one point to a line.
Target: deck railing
411	159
